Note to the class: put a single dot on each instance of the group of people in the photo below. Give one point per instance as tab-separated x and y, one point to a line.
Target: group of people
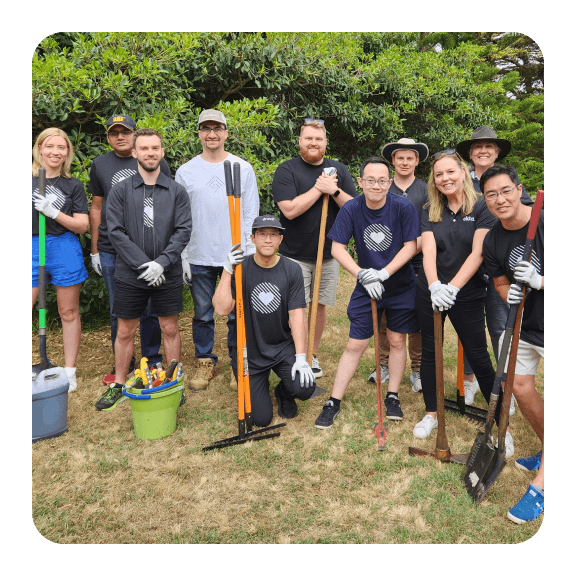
452	245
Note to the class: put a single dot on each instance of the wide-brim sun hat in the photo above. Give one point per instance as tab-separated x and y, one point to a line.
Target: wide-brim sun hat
404	144
484	133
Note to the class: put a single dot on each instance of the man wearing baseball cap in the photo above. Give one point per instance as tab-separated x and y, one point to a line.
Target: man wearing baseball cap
106	171
405	155
210	241
274	311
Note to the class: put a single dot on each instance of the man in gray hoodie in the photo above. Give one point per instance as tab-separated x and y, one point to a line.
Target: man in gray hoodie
149	223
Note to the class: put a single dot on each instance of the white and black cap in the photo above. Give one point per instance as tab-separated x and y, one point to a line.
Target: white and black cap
266	221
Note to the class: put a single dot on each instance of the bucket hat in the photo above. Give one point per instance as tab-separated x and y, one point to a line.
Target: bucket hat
482	134
404	144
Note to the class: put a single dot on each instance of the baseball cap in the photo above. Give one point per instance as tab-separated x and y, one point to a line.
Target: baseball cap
266	221
214	115
121	119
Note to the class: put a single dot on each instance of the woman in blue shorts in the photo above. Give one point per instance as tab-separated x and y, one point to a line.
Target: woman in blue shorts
66	209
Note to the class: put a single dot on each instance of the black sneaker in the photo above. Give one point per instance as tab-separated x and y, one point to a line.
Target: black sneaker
111	398
182	400
286	407
393	410
326	418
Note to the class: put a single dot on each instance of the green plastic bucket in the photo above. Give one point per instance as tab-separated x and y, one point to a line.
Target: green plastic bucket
154	415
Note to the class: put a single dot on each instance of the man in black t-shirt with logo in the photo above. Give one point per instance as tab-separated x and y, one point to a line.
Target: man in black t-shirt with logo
106	171
298	187
274	311
502	249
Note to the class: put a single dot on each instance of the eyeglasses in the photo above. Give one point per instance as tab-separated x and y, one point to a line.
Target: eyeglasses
370	182
313	121
207	130
123	132
506	193
272	235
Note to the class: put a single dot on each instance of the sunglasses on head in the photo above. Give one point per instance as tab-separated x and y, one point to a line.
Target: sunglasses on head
447	152
313	121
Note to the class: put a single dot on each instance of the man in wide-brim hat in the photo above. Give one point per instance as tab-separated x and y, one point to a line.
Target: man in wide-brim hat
389	149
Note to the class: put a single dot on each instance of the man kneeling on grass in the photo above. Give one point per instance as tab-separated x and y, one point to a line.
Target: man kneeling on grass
274	306
385	228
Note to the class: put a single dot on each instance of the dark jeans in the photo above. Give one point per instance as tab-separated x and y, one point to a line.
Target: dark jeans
150	333
262	409
467	317
496	315
203	287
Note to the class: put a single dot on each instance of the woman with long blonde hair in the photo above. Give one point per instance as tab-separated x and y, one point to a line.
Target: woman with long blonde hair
66	210
454	222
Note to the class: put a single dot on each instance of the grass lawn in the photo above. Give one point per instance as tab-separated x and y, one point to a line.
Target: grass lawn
99	483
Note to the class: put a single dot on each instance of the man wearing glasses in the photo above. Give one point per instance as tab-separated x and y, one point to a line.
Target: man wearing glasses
502	250
386	228
106	171
274	310
211	239
298	187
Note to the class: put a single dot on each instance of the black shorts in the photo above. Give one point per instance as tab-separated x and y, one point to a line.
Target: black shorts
130	301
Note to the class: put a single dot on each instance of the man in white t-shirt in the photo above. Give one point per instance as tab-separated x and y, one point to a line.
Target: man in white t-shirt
211	239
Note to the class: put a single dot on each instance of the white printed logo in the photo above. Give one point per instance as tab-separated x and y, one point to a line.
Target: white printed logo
266	298
122	175
516	256
55	195
149	212
377	237
468	219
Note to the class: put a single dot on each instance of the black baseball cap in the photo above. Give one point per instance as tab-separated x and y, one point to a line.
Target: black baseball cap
121	119
266	221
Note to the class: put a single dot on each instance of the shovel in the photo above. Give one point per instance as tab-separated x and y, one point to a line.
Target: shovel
485	461
442	451
379	428
44	362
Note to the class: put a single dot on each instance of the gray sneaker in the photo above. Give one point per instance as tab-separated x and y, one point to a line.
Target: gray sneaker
326	418
470	389
317	371
384	375
416	383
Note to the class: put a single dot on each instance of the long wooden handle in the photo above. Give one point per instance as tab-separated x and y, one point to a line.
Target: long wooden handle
317	276
377	355
441	438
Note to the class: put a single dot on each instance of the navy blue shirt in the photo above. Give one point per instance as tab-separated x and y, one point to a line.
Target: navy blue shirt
379	236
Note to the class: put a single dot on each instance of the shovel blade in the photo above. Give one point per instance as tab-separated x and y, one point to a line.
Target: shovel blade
480	463
492	475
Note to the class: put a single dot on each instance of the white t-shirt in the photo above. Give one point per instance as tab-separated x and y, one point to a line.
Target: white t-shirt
211	239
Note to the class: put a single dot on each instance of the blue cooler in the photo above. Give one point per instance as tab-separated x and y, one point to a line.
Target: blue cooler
49	404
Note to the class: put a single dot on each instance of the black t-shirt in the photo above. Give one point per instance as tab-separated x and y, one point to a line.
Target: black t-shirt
66	194
293	178
454	236
417	193
269	294
106	171
502	250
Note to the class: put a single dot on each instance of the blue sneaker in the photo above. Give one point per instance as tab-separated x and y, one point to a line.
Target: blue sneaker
530	463
530	506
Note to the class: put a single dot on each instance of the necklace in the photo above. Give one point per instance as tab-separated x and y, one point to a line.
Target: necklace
53	184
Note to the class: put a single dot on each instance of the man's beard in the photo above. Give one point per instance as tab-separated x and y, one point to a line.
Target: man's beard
149	168
312	155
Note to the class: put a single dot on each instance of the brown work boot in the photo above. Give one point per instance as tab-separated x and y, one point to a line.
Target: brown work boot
202	375
233	383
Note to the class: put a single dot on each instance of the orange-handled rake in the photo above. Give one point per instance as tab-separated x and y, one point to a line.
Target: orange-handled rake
245	432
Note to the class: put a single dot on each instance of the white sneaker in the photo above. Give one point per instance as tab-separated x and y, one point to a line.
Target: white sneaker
71	375
512	406
416	383
424	428
509	444
316	367
470	389
384	375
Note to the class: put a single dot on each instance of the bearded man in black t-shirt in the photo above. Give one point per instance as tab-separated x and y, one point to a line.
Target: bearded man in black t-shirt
502	250
274	312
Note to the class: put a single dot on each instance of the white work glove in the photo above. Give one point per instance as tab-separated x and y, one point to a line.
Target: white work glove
250	248
370	279
96	263
526	273
43	205
235	257
186	272
153	273
307	377
514	295
383	275
441	295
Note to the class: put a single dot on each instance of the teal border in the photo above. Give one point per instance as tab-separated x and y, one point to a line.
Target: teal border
24	27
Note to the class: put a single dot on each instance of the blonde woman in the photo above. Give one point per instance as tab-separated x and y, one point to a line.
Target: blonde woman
454	222
66	210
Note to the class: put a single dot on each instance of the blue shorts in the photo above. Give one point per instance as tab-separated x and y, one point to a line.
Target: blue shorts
401	320
64	260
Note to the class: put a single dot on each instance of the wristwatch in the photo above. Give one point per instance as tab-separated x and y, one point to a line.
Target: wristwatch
336	193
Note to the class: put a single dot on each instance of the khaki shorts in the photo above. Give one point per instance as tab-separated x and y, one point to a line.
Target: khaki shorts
527	359
328	281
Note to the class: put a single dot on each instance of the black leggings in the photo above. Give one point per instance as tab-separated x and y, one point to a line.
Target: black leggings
467	317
